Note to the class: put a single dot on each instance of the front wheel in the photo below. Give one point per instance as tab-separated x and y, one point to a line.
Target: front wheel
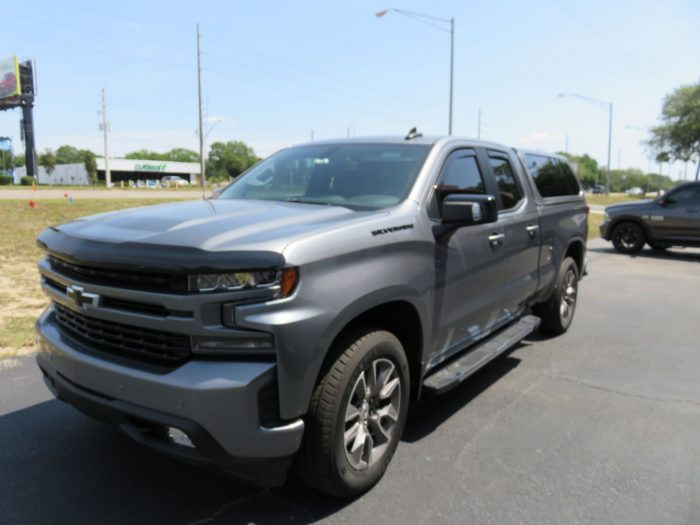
356	415
558	311
628	237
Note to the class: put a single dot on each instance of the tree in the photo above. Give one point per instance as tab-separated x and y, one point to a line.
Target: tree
68	155
182	155
587	169
5	161
48	161
229	159
678	136
90	161
174	155
19	161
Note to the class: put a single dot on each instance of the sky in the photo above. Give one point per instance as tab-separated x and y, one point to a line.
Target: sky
275	72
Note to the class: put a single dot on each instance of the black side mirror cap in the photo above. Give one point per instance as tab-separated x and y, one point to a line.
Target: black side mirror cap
460	209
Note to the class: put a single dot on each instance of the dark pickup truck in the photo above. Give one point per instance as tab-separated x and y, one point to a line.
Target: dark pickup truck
672	219
289	322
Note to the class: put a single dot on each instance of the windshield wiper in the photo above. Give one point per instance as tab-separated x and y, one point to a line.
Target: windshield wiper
305	201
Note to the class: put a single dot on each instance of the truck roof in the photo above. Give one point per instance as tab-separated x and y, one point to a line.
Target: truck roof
429	140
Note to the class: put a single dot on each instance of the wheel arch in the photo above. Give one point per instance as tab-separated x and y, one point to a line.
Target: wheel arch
615	221
400	317
577	251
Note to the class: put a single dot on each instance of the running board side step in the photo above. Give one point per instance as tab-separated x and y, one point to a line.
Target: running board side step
458	370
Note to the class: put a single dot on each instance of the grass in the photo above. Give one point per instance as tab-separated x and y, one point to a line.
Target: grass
594	222
614	198
21	299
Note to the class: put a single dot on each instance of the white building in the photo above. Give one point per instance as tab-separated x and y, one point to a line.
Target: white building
130	169
120	170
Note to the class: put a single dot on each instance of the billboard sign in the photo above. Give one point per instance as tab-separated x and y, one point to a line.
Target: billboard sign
9	79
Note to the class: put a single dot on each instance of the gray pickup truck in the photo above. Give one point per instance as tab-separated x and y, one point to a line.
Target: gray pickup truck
289	322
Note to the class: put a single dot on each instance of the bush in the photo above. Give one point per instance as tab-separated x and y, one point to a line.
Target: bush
26	181
5	180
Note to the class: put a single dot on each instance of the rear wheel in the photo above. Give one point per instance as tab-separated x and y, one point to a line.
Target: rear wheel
356	415
628	237
558	312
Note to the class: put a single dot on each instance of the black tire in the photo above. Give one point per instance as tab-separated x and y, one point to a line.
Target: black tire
552	312
628	237
323	461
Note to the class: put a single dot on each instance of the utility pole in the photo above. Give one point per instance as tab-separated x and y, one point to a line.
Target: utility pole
607	172
452	68
566	143
105	130
478	124
619	159
201	117
312	135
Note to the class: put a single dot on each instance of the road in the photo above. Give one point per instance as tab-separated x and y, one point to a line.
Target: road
600	425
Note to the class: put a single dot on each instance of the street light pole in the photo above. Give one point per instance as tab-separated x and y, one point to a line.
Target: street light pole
452	69
451	21
607	174
202	164
610	117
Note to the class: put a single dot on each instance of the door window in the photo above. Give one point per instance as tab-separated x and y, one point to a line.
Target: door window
462	174
687	195
552	176
507	185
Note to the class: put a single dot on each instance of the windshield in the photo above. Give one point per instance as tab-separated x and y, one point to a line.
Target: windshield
358	176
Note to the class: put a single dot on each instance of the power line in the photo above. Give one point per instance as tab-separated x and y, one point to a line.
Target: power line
598	32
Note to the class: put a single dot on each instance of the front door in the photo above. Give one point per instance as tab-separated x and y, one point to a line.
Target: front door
679	217
469	267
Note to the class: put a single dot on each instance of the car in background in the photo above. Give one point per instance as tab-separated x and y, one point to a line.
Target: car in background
670	220
635	192
598	189
173	181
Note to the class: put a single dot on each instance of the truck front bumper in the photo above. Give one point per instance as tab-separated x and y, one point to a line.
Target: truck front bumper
205	411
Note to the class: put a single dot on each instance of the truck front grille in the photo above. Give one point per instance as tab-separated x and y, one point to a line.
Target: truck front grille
124	340
120	278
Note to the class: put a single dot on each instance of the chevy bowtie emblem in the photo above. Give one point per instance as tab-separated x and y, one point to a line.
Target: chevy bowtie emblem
80	297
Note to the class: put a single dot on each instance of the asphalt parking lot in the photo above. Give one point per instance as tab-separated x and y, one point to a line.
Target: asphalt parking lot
600	425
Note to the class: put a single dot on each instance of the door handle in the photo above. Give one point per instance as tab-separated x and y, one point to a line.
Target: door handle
532	230
496	239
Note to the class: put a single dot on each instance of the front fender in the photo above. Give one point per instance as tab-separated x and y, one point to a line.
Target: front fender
304	333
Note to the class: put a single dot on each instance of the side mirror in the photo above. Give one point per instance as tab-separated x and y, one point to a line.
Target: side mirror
459	209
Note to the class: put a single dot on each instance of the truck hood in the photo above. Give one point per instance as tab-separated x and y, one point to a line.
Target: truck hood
206	233
629	207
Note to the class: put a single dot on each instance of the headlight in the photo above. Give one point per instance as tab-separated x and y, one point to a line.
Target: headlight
607	216
213	282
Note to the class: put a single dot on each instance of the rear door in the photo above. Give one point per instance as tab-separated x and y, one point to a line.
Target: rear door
520	220
469	265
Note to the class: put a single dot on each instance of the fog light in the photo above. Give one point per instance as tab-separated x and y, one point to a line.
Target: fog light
178	437
256	343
